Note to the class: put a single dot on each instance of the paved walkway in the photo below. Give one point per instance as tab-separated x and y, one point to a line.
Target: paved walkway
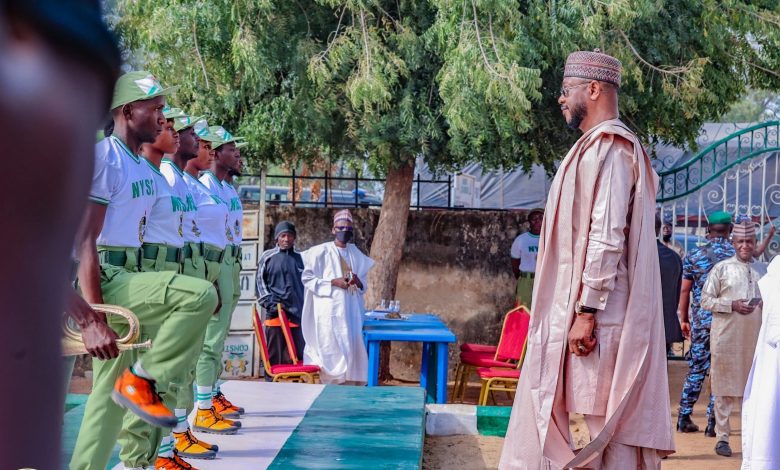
299	426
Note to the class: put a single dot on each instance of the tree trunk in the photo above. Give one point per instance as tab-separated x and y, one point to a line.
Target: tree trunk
388	246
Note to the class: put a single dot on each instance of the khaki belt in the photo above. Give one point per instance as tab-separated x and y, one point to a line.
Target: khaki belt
172	255
527	275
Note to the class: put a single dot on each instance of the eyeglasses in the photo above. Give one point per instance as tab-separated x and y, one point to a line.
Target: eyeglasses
565	89
342	229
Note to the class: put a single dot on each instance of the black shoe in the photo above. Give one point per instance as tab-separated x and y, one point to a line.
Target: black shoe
722	448
684	424
709	431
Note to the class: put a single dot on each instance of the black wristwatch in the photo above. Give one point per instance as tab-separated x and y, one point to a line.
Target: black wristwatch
583	309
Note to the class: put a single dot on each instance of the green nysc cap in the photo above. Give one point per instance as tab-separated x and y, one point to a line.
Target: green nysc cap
201	127
219	136
173	113
137	86
181	120
719	217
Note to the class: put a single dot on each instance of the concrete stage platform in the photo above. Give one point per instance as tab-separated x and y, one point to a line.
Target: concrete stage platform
299	426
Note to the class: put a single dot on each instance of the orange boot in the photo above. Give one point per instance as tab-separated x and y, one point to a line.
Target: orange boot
172	463
210	421
139	395
189	446
223	406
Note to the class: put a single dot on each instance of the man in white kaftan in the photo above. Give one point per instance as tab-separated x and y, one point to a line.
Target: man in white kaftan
761	407
731	294
334	277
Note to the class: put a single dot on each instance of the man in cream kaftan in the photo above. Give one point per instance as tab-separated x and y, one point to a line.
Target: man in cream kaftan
334	277
761	407
732	283
596	343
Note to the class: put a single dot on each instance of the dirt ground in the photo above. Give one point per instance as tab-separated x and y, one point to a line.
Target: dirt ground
694	451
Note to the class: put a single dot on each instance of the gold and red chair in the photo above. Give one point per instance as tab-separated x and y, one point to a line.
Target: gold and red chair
506	355
296	372
499	379
496	379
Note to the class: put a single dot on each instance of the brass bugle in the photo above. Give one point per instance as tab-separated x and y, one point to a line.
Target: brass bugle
72	343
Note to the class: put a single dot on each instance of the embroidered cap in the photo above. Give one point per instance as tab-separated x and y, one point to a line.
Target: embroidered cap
342	215
137	86
593	65
745	229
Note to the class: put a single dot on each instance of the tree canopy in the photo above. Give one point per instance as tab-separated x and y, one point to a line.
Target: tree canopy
755	106
455	81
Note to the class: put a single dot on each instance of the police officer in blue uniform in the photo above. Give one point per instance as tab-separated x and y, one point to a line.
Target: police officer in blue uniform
696	266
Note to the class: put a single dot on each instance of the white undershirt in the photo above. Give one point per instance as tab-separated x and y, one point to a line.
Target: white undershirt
344	252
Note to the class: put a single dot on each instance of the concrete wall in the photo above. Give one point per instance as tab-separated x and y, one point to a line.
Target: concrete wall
456	264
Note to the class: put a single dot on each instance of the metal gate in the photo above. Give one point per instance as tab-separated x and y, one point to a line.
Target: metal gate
738	173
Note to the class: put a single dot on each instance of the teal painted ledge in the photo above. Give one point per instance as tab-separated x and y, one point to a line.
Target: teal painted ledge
493	420
358	428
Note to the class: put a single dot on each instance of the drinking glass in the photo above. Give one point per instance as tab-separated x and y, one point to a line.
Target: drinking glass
383	304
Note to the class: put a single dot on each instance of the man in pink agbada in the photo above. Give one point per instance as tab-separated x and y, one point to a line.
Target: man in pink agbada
596	341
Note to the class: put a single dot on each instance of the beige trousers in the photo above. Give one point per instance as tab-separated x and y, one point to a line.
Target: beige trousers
615	456
618	456
723	408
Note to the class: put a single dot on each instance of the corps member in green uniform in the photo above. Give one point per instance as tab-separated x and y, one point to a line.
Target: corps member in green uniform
236	222
216	233
225	162
109	244
161	251
200	253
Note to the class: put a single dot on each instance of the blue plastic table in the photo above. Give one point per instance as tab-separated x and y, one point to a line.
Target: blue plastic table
429	330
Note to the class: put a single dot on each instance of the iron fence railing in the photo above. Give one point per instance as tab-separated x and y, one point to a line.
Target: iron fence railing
340	191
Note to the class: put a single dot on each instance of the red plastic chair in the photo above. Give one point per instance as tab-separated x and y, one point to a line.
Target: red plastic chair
282	372
507	354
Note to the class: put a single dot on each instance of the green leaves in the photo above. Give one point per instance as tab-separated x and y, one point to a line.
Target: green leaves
453	80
